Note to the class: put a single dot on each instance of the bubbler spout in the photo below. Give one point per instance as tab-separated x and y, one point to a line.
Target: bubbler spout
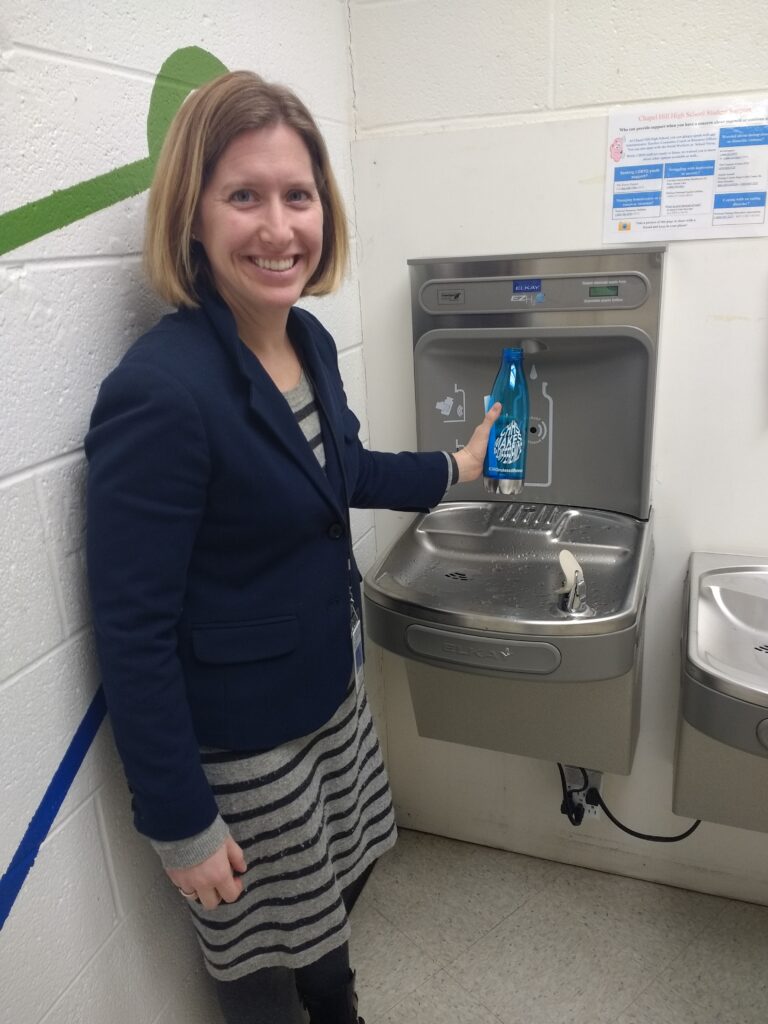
573	592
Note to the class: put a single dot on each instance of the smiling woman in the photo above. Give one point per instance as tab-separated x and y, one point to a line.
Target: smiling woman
260	223
206	125
226	599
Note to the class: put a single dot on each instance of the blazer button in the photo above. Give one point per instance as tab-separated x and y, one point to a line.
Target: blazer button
335	530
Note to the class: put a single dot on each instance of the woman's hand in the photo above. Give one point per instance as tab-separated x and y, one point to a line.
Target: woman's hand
213	879
470	458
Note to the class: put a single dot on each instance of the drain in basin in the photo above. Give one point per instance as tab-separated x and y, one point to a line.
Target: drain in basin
763	648
456	576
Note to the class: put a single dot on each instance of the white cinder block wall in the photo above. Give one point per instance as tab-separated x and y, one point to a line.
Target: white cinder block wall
97	934
481	128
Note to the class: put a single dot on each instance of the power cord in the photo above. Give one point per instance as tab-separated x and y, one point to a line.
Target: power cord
593	798
575	812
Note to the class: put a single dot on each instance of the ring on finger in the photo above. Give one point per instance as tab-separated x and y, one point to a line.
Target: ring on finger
187	895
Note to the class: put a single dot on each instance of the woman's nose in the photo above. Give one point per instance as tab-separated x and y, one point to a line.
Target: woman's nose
275	226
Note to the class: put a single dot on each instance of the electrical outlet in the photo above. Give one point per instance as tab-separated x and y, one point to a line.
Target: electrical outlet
574	780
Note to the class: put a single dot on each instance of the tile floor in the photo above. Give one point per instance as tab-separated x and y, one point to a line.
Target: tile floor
454	933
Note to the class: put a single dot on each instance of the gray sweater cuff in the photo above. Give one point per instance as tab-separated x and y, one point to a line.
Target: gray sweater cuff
186	853
453	471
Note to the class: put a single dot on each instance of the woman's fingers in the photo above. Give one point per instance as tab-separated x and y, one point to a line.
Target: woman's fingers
213	880
230	889
226	891
470	458
236	856
208	898
479	440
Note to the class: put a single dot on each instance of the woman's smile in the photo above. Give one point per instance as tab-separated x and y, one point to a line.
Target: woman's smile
274	265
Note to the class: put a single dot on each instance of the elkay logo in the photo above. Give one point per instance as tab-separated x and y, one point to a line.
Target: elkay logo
475	652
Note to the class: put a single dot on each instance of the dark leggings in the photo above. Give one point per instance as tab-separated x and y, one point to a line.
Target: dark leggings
270	996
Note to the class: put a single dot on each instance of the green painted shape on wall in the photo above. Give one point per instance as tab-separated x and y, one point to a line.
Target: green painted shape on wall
41	216
185	70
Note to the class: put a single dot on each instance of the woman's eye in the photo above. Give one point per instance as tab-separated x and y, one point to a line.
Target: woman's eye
242	195
298	195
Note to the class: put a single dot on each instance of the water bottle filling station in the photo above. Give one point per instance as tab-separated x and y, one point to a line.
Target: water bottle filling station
521	621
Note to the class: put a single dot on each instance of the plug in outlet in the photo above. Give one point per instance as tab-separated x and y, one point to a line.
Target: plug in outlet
574	780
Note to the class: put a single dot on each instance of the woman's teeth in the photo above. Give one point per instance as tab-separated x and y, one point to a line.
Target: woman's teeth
284	264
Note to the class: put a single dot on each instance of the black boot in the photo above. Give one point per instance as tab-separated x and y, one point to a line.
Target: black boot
338	1007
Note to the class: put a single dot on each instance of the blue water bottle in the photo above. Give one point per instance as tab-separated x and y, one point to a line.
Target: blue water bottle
504	465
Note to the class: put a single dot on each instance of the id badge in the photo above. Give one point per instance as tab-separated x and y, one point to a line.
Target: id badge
357	647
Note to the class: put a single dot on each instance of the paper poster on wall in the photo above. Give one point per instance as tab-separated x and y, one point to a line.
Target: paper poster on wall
694	169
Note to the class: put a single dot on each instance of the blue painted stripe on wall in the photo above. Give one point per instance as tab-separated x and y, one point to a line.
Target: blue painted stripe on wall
45	815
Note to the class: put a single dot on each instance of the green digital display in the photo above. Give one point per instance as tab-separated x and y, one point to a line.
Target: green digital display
597	291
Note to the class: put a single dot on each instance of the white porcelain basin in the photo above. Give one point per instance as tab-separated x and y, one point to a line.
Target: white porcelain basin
727	636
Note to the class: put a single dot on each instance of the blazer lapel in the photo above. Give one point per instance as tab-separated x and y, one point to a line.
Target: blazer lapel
328	409
273	412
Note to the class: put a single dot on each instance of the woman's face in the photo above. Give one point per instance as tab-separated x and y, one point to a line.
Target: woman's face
260	221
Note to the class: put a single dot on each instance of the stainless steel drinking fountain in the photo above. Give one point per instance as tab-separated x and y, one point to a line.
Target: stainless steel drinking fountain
498	653
721	763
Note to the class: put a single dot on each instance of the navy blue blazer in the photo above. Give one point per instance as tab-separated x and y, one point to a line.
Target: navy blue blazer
218	552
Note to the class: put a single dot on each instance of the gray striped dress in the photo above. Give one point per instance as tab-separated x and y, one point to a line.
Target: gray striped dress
310	815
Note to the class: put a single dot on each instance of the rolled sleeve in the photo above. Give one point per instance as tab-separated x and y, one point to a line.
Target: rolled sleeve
186	853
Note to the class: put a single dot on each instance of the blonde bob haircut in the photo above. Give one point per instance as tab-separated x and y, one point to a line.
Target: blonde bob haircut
205	124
